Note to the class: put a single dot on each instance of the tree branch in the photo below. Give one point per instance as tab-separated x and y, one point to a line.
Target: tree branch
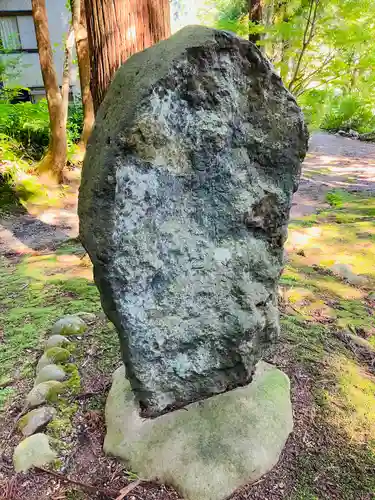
307	37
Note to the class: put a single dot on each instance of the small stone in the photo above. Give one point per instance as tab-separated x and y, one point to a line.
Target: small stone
35	420
34	451
87	316
50	372
44	392
51	356
345	272
69	325
56	341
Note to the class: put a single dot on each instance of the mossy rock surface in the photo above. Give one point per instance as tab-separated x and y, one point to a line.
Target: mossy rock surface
56	341
34	451
69	325
209	448
46	391
51	356
35	420
50	372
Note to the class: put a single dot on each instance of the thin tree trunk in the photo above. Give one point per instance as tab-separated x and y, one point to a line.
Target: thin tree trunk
65	87
55	159
255	16
118	29
308	35
83	58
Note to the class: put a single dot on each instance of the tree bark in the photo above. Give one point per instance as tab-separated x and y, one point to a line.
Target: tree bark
255	16
65	87
55	159
83	58
118	29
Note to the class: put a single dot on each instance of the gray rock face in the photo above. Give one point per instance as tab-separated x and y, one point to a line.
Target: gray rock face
184	205
36	419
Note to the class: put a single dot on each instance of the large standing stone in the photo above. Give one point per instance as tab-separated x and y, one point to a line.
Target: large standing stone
184	205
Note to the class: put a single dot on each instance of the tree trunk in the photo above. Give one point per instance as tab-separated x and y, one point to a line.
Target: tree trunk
118	29
65	87
255	16
55	159
83	58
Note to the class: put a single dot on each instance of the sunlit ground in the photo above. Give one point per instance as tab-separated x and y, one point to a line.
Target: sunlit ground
317	306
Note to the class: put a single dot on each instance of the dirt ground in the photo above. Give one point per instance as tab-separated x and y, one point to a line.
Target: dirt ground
318	458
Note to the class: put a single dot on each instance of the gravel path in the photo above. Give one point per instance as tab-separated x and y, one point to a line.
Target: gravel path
333	162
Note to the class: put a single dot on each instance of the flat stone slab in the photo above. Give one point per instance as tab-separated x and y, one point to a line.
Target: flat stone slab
211	447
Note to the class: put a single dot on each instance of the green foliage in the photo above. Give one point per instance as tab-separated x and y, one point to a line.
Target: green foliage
28	124
323	50
24	138
349	112
10	69
336	198
75	122
17	182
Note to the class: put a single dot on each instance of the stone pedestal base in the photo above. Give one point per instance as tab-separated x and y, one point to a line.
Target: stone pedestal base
211	447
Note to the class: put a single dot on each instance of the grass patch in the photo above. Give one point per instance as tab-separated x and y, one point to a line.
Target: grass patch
31	302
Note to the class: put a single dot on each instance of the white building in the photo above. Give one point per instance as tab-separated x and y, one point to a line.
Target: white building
17	36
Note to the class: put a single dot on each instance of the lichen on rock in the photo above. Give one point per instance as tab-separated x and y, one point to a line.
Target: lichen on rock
45	391
184	205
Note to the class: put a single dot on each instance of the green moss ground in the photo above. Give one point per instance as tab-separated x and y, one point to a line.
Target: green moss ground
338	459
34	293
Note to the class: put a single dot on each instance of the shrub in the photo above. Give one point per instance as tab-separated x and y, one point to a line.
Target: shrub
17	184
28	124
75	122
314	104
349	111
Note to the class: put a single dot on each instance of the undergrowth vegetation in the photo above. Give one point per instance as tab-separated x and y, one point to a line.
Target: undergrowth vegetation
24	137
327	111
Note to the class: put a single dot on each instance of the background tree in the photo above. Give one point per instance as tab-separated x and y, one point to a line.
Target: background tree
255	18
116	30
83	58
324	50
55	159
